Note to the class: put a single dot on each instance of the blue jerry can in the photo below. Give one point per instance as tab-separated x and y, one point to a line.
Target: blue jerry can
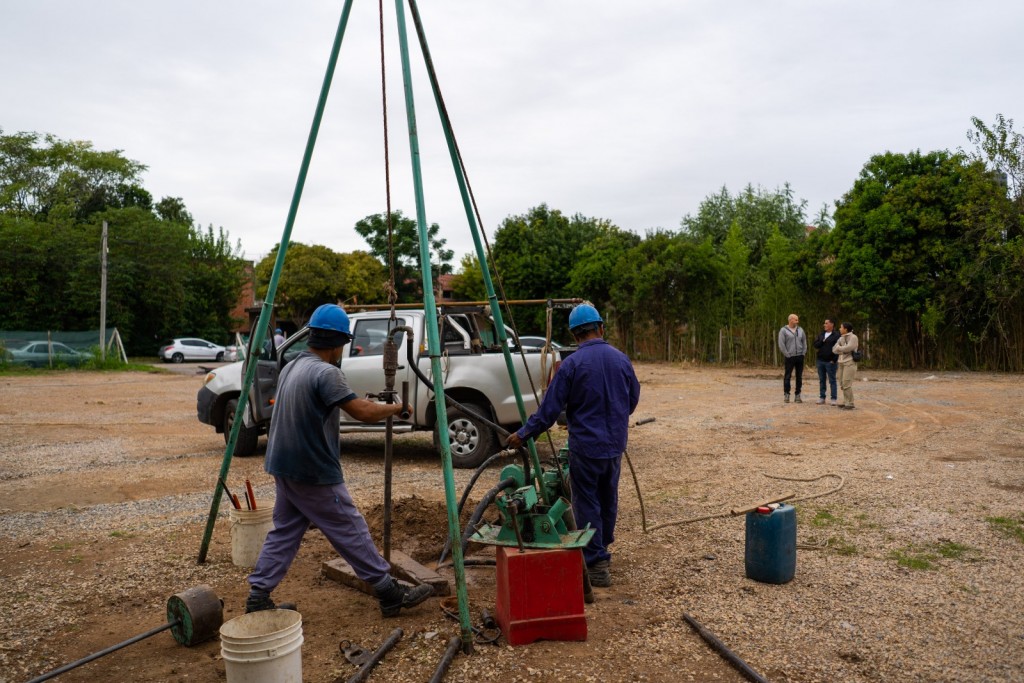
771	544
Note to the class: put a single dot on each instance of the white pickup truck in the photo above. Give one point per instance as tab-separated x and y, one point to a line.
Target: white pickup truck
475	375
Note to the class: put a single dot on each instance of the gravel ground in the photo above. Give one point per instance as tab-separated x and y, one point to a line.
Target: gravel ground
909	573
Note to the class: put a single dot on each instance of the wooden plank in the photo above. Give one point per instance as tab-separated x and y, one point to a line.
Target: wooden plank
341	571
403	568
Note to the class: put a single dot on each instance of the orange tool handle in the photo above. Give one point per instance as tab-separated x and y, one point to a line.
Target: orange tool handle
252	496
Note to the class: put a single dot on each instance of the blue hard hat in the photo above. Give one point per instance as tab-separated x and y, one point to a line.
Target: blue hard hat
582	315
330	317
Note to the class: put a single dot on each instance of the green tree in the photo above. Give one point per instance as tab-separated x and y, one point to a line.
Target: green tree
534	254
213	281
312	275
736	258
594	273
1002	148
664	288
315	274
364	279
468	283
35	260
900	245
165	276
775	296
757	212
42	176
172	210
991	286
406	249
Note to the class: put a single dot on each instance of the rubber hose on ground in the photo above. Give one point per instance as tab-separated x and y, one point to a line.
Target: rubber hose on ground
465	496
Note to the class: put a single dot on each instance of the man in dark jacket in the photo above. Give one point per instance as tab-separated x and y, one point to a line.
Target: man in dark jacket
598	390
824	342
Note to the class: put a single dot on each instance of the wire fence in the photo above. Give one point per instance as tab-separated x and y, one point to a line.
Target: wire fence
33	346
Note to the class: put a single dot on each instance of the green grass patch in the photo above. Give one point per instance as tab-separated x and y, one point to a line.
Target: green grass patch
109	365
122	534
1008	526
824	518
954	551
913	559
925	557
840	546
112	363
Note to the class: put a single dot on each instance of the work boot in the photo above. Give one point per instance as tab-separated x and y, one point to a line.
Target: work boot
260	600
588	590
397	596
600	575
797	399
785	399
821	401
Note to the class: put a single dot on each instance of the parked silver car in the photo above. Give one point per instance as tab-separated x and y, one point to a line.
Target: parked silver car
529	341
41	354
190	348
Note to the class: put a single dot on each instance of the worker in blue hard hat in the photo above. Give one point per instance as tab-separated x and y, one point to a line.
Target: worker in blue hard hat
278	337
598	390
303	455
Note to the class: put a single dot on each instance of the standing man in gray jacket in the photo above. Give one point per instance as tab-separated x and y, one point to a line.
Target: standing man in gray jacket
793	345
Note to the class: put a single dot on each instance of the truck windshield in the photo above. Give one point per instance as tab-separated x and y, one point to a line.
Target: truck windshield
369	336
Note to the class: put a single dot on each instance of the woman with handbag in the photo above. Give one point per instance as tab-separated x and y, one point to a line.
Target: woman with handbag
846	348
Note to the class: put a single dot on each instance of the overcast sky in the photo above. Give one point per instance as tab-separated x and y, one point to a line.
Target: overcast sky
628	111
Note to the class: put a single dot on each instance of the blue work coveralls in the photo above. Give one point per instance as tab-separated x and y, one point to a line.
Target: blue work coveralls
598	390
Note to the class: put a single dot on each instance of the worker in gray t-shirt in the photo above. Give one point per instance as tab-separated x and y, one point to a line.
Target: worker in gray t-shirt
303	455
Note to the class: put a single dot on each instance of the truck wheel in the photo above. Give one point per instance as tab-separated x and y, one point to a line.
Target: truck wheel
472	441
247	436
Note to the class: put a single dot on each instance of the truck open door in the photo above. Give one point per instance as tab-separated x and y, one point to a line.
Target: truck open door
264	385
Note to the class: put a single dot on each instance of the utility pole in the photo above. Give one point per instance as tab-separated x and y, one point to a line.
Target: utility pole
103	294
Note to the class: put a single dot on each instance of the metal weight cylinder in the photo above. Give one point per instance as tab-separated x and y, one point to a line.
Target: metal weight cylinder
196	615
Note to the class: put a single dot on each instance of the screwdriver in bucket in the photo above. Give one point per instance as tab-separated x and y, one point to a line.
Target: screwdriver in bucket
232	497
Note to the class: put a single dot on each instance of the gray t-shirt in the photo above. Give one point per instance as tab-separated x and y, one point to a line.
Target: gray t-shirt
304	443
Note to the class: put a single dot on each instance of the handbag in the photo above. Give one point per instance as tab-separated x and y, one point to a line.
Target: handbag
856	356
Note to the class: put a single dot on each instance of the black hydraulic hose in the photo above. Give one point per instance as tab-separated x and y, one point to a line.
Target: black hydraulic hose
446	659
487	499
465	494
476	475
477	514
726	653
103	653
480	470
448	399
482	506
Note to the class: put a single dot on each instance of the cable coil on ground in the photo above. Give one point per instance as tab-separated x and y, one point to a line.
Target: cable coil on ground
732	513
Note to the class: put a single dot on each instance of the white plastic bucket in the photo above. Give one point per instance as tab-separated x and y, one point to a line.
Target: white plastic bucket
263	647
249	528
